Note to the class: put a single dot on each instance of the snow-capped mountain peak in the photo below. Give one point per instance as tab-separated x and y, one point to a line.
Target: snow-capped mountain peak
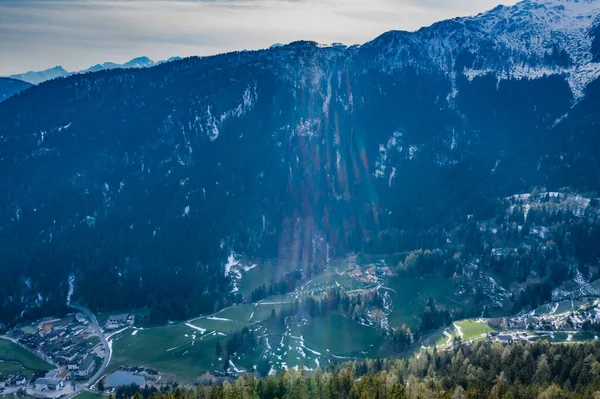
528	40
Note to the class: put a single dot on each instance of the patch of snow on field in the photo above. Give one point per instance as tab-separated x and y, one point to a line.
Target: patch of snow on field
175	347
458	330
217	318
234	367
447	334
190	325
310	350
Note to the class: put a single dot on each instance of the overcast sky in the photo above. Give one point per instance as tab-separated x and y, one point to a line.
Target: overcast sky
39	34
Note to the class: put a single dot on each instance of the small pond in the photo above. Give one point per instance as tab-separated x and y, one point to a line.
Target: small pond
120	377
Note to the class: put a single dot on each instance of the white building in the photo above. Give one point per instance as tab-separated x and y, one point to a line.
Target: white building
49	384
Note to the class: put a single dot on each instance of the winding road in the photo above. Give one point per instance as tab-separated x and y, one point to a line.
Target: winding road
107	350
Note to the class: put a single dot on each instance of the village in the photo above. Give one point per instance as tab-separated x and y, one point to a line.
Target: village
69	347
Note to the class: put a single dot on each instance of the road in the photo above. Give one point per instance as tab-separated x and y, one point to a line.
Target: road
107	350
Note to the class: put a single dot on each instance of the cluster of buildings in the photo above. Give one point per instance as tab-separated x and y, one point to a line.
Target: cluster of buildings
506	338
70	344
369	274
65	343
12	381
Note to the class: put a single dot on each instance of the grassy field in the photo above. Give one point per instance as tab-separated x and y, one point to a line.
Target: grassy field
410	296
10	368
263	310
442	340
219	324
333	276
187	352
566	337
14	357
473	329
240	313
175	349
89	395
339	335
265	273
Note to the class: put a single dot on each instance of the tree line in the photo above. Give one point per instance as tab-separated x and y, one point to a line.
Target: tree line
537	370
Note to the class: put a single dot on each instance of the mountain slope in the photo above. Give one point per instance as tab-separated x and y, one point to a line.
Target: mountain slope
532	39
140	182
9	87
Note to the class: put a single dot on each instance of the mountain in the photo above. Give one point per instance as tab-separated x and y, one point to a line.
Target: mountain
140	62
58	71
35	78
141	183
529	40
9	87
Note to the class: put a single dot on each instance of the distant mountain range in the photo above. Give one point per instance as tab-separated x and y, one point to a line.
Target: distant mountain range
37	77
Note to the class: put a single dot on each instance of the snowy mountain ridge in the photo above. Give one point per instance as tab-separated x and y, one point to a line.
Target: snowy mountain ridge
528	40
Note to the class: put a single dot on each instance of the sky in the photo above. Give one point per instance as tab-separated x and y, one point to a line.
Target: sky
39	34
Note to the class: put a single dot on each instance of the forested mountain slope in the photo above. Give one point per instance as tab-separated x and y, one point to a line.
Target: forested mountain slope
140	182
539	370
9	87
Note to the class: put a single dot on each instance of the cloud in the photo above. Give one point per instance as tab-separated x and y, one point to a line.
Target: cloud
37	34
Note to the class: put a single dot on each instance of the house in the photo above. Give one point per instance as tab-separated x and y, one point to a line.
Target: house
115	321
18	380
505	339
356	273
118	319
49	384
52	336
86	368
80	317
372	271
